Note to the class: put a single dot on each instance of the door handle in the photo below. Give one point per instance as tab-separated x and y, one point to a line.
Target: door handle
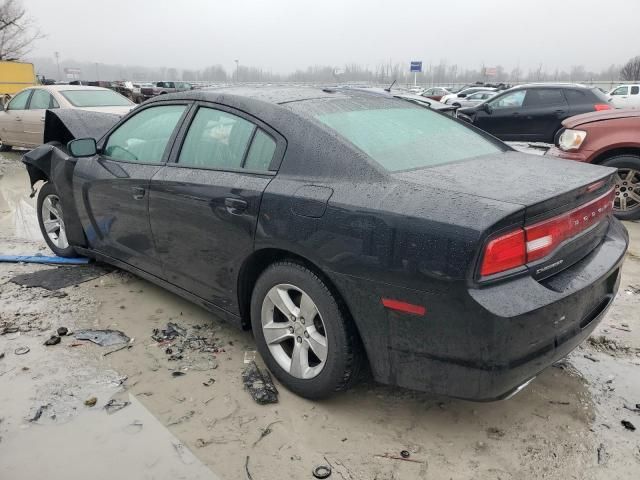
138	193
235	206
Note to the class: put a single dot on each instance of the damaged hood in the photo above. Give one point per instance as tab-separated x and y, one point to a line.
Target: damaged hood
63	125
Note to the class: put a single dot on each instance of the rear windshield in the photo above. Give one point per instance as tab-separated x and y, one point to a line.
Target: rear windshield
407	138
95	98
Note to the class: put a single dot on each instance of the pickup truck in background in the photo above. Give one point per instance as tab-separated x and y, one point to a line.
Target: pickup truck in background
160	88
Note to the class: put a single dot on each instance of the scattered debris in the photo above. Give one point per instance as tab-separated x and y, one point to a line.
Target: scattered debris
602	454
118	349
322	471
622	328
22	350
60	277
172	331
259	385
183	418
246	468
114	405
249	356
104	338
209	382
556	402
91	402
590	357
495	433
632	290
201	443
266	431
39	413
628	407
62	331
134	427
405	454
628	425
177	373
1	355
395	457
609	345
53	340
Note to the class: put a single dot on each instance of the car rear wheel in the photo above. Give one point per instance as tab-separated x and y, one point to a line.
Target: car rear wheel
302	332
51	221
626	205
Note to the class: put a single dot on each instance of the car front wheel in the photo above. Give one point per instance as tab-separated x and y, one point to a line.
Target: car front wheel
51	221
303	333
626	205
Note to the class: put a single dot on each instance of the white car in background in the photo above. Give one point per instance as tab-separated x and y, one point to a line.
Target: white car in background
22	120
471	99
465	93
626	96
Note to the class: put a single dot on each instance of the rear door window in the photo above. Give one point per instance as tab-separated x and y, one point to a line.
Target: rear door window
216	140
144	137
261	152
41	100
635	89
542	97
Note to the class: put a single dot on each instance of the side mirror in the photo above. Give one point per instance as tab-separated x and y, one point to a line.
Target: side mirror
82	147
487	108
462	95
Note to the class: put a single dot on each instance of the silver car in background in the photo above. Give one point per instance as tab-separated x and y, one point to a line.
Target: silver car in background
471	100
22	120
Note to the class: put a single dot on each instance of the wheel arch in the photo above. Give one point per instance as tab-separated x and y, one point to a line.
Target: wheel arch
616	152
259	261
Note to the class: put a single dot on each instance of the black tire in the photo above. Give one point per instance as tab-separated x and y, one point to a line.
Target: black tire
631	162
345	355
47	190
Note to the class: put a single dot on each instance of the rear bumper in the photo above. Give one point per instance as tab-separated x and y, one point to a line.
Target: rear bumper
482	344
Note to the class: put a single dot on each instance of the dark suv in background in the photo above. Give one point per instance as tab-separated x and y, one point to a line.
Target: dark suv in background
533	113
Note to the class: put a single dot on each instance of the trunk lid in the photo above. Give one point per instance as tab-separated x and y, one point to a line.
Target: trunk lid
545	187
540	184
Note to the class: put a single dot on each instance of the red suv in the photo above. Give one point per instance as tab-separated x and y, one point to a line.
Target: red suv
609	138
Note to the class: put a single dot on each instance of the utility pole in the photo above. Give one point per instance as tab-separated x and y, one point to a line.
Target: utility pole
57	55
237	70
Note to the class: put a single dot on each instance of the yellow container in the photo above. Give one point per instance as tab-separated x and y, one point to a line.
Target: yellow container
14	76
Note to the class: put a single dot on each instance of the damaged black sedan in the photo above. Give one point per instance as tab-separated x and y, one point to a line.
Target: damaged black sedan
344	229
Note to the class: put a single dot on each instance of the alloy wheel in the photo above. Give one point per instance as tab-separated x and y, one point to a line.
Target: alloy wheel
627	190
294	331
53	222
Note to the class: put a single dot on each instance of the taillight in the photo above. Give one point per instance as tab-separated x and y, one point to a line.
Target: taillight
524	245
504	253
601	106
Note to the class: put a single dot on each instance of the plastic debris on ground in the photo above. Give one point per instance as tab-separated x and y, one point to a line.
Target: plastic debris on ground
60	277
104	338
259	384
181	345
114	405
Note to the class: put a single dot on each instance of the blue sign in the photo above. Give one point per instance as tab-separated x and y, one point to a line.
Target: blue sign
416	67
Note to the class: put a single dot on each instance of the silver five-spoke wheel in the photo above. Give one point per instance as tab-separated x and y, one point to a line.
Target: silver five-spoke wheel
294	331
627	190
53	221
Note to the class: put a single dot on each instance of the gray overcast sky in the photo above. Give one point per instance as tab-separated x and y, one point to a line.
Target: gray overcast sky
283	35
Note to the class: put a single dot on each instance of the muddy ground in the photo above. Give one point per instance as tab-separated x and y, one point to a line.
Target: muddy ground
565	425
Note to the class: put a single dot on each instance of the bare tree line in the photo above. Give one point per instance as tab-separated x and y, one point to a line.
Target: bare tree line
18	32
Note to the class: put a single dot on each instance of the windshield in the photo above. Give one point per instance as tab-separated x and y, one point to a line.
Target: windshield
95	98
407	138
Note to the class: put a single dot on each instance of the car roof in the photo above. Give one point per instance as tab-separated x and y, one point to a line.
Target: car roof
60	88
553	85
276	95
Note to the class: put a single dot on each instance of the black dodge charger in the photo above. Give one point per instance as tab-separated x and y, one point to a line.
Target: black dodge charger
344	229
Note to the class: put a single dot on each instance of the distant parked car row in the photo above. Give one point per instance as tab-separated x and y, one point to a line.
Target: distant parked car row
162	88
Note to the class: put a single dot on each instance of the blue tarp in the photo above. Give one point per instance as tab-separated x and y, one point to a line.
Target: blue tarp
44	259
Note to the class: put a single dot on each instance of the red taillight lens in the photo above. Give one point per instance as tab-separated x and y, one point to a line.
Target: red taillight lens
546	236
504	253
602	106
521	246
